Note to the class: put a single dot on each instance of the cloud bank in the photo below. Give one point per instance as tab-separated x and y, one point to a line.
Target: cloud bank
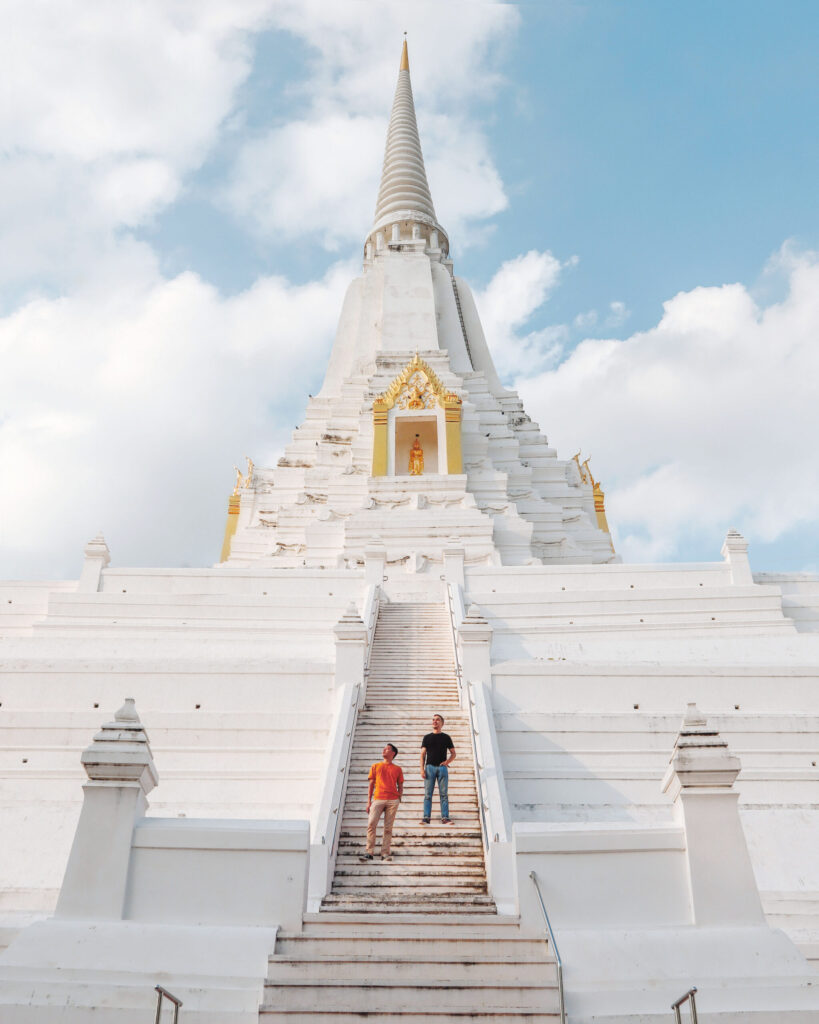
703	422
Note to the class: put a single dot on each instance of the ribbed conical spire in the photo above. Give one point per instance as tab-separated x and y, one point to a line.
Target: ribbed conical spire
404	197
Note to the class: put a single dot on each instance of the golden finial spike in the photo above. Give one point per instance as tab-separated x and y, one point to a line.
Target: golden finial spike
404	56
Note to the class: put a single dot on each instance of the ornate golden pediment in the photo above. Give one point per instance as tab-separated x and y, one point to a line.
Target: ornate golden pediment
416	387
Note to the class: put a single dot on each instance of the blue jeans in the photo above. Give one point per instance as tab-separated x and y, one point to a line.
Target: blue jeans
441	773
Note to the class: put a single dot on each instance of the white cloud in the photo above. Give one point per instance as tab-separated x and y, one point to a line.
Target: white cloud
112	105
703	422
618	314
310	177
519	288
146	396
583	321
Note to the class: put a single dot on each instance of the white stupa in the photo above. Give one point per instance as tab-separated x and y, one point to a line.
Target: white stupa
637	744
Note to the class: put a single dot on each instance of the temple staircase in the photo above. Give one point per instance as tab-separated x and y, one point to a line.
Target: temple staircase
412	676
418	937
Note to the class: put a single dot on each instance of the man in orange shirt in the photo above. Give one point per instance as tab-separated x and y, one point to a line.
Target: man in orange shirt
383	797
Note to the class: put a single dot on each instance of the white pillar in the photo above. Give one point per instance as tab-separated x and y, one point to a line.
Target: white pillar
375	561
475	635
735	553
433	239
379	241
121	773
396	233
97	558
454	564
351	645
700	778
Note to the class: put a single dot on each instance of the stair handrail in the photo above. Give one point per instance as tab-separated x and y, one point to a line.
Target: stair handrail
555	950
331	802
163	993
455	608
488	755
690	997
372	602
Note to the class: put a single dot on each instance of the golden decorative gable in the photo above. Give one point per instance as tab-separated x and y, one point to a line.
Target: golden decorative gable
416	387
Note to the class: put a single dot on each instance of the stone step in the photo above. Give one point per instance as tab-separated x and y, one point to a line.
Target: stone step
396	926
412	886
392	1016
363	872
402	856
323	968
410	832
383	996
419	850
409	900
419	943
436	907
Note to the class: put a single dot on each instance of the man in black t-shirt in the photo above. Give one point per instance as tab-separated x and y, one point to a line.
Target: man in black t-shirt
437	753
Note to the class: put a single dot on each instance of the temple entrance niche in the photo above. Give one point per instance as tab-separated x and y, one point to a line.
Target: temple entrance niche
416	403
406	428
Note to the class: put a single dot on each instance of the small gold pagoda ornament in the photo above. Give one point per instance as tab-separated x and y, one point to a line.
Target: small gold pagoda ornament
416	458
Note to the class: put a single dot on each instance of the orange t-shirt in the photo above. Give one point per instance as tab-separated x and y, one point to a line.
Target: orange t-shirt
387	778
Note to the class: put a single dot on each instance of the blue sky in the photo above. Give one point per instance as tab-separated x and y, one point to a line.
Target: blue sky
186	194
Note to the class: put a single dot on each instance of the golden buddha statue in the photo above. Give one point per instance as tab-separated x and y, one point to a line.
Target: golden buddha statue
416	458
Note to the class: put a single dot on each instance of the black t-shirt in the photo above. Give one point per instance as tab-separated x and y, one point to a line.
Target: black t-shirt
437	745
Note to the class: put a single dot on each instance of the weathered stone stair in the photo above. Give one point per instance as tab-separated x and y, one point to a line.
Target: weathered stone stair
416	938
410	968
411	676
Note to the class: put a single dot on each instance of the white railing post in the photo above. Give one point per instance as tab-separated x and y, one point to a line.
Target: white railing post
700	779
500	850
472	637
121	773
97	558
735	553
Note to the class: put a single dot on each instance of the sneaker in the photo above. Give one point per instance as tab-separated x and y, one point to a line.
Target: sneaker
386	856
424	821
365	857
446	821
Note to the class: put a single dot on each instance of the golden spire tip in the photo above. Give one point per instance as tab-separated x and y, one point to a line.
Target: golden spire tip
404	56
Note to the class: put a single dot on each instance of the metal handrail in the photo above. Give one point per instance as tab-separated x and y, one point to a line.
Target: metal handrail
555	950
450	609
163	993
371	628
689	995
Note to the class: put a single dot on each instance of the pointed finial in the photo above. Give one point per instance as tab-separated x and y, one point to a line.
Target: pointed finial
404	56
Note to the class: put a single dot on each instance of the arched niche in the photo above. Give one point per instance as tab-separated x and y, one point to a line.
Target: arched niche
416	403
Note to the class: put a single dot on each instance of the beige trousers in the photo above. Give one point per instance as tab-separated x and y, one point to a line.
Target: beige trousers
389	809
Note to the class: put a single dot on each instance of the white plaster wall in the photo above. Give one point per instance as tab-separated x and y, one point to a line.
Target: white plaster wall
23	604
800	597
344	352
232	672
602	875
201	872
450	335
481	357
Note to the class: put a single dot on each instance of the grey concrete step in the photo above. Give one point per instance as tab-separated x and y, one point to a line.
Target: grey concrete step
424	995
390	1016
324	968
